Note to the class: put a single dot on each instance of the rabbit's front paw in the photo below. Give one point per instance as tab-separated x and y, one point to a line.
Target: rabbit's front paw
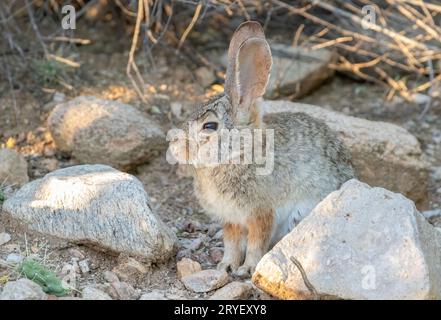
227	265
244	271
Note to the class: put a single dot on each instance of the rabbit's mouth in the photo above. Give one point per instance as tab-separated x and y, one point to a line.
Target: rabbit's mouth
178	152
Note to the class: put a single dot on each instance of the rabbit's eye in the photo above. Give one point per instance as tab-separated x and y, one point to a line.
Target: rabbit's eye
210	126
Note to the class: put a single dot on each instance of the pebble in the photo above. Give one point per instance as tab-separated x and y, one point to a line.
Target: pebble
110	276
212	230
420	98
216	254
58	97
194	244
4	238
219	235
84	266
186	267
432	213
14	258
76	253
125	291
153	295
437	174
205	280
233	291
91	293
128	268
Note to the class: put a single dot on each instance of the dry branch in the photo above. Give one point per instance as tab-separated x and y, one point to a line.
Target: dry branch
404	40
402	43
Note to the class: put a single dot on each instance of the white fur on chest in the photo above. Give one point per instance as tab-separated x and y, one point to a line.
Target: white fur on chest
287	215
220	208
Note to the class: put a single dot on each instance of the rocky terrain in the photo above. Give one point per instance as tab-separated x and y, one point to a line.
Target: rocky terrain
87	193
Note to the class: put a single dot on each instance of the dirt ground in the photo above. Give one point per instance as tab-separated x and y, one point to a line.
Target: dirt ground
171	80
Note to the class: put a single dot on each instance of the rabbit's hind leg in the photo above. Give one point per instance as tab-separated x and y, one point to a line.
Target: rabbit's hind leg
288	216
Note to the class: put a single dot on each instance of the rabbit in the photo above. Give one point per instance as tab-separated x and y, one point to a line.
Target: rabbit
257	210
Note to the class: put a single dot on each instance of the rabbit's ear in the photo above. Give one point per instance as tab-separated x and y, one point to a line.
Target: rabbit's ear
247	30
253	66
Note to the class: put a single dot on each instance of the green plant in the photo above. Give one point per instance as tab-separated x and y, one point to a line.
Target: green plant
2	196
41	275
49	71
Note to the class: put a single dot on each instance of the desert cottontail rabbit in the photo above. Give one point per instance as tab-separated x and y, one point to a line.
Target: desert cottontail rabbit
309	161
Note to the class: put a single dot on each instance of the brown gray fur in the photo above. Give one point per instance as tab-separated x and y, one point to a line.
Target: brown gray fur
309	161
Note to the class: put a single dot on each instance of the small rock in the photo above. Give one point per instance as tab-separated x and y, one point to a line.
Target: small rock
358	243
154	295
69	273
205	280
14	258
109	289
13	168
186	267
420	98
212	230
22	289
129	268
233	291
84	266
58	97
4	238
125	291
110	276
192	244
94	204
216	254
219	235
76	253
205	76
189	226
75	265
432	214
437	174
91	293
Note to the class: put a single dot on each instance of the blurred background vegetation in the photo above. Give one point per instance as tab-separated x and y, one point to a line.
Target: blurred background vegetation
399	49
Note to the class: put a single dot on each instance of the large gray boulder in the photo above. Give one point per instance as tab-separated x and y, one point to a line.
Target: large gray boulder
103	131
296	71
358	243
383	154
96	205
13	168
